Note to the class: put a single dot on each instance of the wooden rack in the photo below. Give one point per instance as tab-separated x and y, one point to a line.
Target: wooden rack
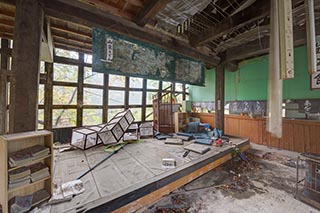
15	142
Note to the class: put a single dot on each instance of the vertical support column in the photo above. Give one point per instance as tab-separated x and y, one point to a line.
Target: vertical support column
80	90
48	89
105	98
219	97
126	93
3	86
184	92
144	97
25	66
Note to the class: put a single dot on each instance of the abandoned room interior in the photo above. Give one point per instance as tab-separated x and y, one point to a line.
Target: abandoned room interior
159	106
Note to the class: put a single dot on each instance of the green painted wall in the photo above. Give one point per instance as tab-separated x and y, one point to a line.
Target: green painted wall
250	82
207	92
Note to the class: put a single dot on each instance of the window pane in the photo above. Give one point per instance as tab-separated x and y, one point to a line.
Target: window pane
66	53
87	58
179	87
136	82
165	84
64	95
92	116
135	98
117	80
149	97
64	72
113	112
92	77
149	111
187	88
152	84
136	113
116	97
42	69
41	94
179	98
64	117
40	119
92	96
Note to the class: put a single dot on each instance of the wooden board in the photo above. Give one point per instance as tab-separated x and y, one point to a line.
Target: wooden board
198	148
175	141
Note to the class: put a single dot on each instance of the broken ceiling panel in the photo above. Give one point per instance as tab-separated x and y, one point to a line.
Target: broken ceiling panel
177	12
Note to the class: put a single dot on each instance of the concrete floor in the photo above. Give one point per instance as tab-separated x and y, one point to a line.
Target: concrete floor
265	184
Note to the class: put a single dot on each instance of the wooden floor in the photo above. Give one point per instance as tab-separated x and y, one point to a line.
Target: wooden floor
133	177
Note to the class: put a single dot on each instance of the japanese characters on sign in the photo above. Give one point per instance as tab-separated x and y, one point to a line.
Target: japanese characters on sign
109	44
315	78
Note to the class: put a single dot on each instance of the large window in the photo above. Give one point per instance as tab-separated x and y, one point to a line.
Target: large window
77	103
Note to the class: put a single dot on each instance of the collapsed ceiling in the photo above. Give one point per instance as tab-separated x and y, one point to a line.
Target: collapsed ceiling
208	30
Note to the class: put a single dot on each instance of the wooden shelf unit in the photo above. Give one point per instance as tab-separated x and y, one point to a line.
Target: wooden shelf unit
15	142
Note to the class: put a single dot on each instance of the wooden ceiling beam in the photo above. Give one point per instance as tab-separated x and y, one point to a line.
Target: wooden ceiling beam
67	36
6	22
150	11
6	35
75	11
55	20
58	27
112	9
7	13
72	48
256	11
62	40
6	29
137	3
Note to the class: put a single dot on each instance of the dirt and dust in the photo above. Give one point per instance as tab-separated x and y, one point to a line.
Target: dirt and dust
256	185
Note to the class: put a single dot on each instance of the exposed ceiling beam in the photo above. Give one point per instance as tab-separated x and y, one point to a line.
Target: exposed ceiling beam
62	40
244	38
61	28
72	47
150	11
137	3
6	22
109	8
57	20
71	37
261	47
85	14
256	11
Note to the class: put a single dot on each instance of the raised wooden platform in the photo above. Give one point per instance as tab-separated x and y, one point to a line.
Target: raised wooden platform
134	177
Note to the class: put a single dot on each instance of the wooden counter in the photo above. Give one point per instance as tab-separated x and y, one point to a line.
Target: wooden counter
297	134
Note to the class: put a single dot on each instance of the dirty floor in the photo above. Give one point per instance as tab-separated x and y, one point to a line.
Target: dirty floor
266	183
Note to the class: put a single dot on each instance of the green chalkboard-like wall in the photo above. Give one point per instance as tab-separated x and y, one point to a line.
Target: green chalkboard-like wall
250	82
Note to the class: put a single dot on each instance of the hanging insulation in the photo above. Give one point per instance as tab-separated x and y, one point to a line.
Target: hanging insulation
177	12
274	124
311	37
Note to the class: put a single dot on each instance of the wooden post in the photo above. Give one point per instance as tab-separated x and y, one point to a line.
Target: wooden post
48	96
219	97
144	101
80	90
126	93
105	98
3	87
25	66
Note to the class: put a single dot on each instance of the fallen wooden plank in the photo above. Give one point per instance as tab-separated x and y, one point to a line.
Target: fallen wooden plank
175	141
198	148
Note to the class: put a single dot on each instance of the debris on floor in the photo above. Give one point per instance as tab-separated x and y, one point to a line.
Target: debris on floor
269	183
66	191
